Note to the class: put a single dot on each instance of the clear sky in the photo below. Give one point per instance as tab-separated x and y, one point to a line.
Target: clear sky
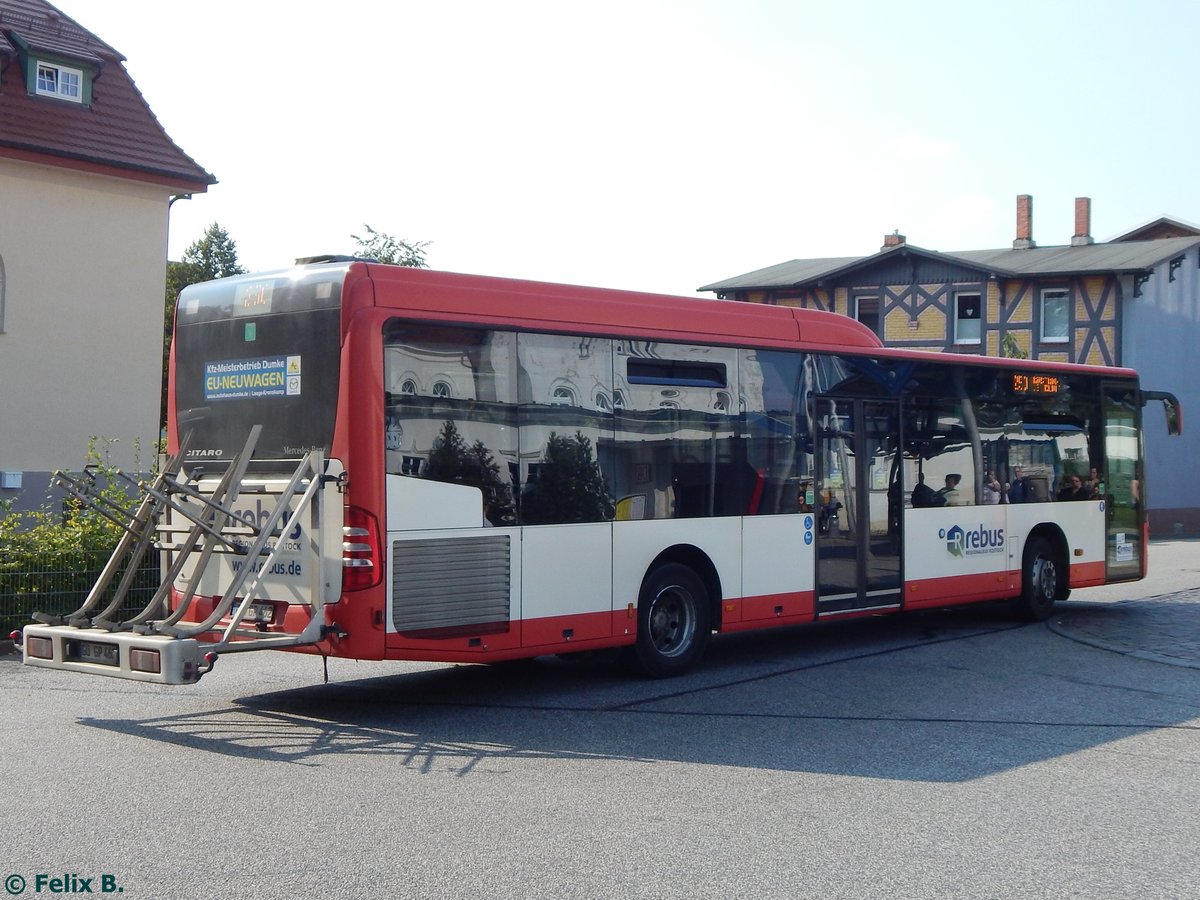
664	144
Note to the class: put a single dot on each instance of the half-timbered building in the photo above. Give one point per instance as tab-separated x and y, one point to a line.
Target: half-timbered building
1131	301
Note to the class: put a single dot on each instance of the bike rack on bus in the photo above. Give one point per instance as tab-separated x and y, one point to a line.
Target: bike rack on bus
189	526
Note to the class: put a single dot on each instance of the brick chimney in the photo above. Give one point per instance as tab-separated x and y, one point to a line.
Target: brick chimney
1083	222
895	239
1024	239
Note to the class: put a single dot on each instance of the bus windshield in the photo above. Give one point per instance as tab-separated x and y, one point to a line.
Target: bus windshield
260	349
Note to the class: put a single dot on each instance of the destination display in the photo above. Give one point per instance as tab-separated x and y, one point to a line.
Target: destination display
1031	383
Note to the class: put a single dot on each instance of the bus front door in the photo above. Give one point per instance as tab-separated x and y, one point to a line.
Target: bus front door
857	505
1121	476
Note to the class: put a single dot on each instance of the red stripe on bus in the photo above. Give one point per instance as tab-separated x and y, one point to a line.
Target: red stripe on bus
933	592
767	610
1088	574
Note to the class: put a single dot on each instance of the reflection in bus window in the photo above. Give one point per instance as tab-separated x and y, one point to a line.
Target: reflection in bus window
941	447
774	385
675	448
563	438
1020	444
451	394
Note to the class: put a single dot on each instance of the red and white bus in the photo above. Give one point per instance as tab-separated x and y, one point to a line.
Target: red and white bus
392	463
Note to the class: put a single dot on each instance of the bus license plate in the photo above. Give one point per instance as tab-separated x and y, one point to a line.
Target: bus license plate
258	612
92	652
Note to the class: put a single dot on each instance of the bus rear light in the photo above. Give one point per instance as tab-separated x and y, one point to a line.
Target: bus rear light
39	647
145	660
360	550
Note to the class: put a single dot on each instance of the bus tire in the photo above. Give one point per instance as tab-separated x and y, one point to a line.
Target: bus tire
1041	582
673	622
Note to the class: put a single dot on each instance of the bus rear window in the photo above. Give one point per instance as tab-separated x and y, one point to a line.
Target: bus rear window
258	351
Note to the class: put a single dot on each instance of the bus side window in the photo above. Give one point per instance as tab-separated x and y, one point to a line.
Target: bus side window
773	389
565	420
943	439
676	448
451	409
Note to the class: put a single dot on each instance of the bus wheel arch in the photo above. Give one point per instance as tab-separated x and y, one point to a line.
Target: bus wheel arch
676	611
1045	574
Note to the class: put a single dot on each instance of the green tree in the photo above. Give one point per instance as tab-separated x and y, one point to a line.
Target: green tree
213	255
391	250
1010	348
569	486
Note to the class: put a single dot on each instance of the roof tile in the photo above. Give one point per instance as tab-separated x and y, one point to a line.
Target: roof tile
118	129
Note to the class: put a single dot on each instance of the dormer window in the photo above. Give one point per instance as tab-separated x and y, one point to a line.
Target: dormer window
59	81
53	71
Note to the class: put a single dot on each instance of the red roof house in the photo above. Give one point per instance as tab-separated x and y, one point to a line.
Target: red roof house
100	122
87	175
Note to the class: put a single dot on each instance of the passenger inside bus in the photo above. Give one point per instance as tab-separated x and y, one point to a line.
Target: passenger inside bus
993	490
1075	489
949	495
923	494
1018	491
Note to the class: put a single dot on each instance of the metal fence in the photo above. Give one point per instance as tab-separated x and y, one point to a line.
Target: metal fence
61	587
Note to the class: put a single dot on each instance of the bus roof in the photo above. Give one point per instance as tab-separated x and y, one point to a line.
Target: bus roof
559	307
437	295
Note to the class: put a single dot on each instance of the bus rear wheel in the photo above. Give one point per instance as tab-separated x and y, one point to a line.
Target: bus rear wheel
1041	582
673	622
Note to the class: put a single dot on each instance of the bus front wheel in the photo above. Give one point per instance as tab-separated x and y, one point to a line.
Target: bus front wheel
673	622
1041	582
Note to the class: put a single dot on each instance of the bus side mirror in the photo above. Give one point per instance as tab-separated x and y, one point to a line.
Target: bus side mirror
1174	418
1171	407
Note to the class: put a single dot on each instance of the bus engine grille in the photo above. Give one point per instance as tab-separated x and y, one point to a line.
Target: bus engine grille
451	586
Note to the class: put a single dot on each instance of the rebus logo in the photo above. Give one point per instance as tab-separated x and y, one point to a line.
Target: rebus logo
962	542
954	541
257	517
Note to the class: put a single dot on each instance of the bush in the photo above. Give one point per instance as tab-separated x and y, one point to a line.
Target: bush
51	557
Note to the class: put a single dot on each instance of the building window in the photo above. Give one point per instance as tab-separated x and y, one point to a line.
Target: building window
563	396
866	310
968	318
59	81
1056	316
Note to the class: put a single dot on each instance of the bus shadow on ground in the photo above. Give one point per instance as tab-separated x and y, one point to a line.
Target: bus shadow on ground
937	697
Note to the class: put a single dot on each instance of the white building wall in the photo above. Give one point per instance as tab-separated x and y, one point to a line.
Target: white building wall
80	353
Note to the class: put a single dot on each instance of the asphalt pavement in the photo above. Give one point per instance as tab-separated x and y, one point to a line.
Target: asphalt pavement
1157	618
